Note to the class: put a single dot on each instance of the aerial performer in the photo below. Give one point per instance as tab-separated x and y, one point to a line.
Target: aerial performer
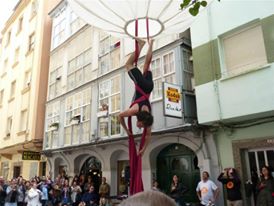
140	106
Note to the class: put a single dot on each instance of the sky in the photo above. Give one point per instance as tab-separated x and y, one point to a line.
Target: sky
6	10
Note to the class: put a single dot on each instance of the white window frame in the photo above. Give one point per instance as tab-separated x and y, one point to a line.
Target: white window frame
23	120
9	125
74	19
55	79
59	27
163	75
77	104
226	73
110	113
109	48
79	68
52	116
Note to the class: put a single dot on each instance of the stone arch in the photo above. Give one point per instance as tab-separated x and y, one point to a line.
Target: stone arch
195	144
81	159
81	156
188	139
59	161
120	154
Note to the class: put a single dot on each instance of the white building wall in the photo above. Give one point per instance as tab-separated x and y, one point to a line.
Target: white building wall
226	15
244	95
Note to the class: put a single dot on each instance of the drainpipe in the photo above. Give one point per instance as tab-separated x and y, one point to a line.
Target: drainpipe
214	75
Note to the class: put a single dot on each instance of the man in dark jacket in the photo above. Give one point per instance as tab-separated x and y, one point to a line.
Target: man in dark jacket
232	183
90	198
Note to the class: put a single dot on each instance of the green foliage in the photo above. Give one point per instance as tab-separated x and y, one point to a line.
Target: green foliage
193	6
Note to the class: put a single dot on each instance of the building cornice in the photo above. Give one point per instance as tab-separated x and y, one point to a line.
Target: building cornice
114	140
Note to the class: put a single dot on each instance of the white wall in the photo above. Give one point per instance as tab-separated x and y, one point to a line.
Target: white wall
247	94
226	15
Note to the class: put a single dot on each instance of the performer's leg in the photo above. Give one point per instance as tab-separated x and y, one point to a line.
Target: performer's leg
130	62
148	55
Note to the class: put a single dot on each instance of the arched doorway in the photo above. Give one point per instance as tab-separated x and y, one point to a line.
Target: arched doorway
92	167
180	160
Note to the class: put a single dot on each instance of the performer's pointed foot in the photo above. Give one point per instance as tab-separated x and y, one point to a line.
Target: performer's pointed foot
140	41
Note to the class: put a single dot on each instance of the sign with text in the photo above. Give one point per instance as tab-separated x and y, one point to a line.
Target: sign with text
172	100
29	155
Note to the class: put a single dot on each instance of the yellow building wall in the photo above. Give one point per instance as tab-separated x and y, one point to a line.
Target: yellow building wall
31	97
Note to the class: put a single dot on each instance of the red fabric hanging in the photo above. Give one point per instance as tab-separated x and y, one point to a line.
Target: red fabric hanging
135	161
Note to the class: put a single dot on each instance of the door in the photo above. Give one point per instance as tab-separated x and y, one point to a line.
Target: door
92	167
122	177
255	160
16	171
178	160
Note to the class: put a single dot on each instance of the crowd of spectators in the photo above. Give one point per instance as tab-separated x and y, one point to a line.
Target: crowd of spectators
58	192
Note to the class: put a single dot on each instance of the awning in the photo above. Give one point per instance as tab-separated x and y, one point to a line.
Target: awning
117	17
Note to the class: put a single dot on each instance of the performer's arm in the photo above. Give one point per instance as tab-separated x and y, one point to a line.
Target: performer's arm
147	140
127	113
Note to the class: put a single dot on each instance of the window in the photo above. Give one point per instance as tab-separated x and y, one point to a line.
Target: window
52	124
109	53
239	52
59	33
77	119
109	95
55	84
75	22
188	70
31	42
27	79
51	139
16	55
5	66
53	114
1	97
5	169
79	70
9	126
8	38
34	7
12	90
23	120
169	68
163	70
157	78
20	25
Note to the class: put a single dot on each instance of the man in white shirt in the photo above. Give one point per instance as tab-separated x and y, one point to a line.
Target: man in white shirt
207	190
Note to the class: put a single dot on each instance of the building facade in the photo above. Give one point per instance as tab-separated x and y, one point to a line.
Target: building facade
23	86
88	87
233	68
